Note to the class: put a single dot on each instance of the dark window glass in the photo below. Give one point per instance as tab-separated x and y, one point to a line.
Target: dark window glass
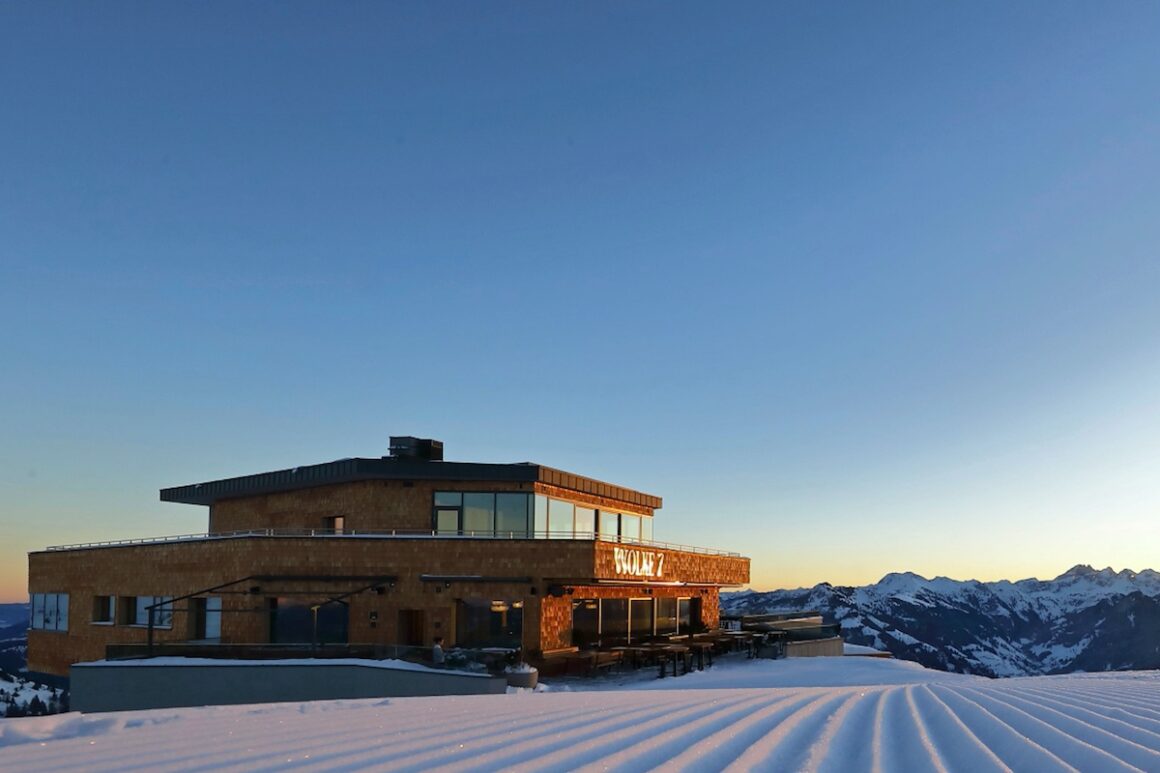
479	514
666	616
448	499
585	522
494	623
293	621
560	519
511	515
641	617
613	622
104	609
585	623
127	610
683	615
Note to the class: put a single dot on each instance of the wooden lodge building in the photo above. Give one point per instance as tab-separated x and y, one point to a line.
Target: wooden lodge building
393	550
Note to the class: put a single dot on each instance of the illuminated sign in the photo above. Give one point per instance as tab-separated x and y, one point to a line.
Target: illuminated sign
639	563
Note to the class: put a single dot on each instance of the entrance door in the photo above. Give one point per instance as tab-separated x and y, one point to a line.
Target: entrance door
412	626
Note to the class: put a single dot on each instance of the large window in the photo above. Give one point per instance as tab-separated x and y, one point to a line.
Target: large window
541	521
479	515
684	621
585	522
609	526
629	528
613	622
646	524
448	505
49	612
585	622
494	623
511	515
641	619
560	519
666	616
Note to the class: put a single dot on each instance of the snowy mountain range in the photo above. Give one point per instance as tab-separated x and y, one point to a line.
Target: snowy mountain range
1083	620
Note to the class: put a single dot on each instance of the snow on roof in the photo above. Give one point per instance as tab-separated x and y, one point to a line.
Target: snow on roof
829	713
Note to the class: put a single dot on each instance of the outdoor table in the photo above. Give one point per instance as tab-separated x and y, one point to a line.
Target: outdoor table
702	648
667	652
636	654
741	639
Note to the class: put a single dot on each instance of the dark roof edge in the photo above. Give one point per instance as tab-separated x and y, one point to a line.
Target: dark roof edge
387	468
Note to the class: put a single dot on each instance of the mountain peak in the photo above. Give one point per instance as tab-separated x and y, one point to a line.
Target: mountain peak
1079	570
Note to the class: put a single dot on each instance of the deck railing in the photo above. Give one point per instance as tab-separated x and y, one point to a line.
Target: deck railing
389	534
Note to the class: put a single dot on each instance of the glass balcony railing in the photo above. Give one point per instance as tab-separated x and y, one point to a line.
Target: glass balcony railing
391	534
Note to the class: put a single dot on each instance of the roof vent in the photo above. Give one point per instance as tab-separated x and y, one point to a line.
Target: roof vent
407	447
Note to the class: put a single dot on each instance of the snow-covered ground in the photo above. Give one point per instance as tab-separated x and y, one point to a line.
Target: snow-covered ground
831	714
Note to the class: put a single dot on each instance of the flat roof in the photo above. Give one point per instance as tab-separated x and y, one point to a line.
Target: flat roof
397	468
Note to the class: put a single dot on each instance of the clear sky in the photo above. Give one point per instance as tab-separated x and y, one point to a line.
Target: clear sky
856	289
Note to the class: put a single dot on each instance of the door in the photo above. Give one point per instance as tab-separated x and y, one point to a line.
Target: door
412	627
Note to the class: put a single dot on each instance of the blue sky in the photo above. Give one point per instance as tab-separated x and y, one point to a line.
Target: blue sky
856	290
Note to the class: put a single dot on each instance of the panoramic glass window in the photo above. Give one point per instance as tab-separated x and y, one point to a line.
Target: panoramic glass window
560	514
609	526
585	522
479	514
666	616
683	615
641	618
511	515
629	528
541	517
447	520
585	622
646	528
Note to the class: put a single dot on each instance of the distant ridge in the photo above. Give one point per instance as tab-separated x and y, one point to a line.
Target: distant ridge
1085	619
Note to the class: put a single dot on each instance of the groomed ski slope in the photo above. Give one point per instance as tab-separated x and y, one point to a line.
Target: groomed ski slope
825	714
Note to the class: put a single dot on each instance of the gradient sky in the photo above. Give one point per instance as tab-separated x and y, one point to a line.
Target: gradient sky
855	289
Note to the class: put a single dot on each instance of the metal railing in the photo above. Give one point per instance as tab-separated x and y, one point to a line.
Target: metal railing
391	534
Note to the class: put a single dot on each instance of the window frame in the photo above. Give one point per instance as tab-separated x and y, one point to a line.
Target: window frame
110	605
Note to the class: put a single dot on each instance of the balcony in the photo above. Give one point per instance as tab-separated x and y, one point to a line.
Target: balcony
401	534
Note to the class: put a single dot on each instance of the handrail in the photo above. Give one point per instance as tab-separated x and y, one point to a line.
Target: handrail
387	534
